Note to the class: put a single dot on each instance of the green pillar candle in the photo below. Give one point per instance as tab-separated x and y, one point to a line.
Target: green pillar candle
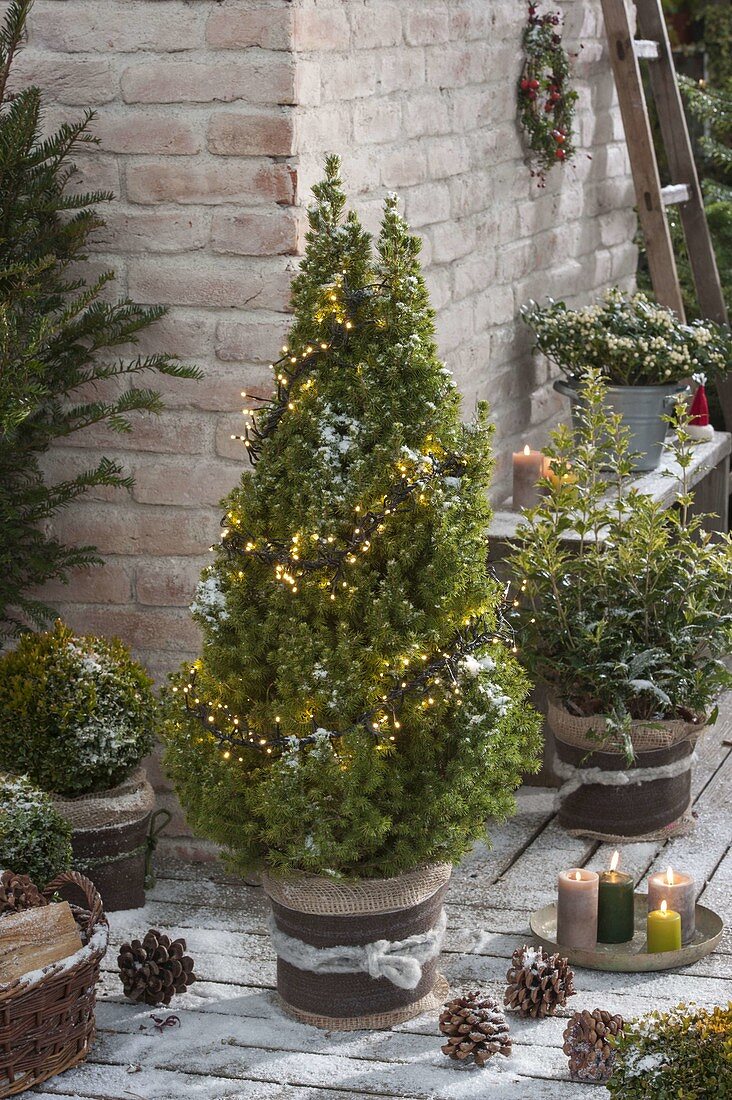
615	917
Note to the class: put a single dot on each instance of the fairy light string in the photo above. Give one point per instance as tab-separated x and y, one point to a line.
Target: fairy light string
287	557
440	673
337	311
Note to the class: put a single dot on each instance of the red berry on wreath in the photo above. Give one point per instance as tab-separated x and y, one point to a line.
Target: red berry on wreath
534	84
560	154
524	84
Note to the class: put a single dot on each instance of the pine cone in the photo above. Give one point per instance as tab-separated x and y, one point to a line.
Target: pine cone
18	892
154	970
476	1029
588	1043
538	984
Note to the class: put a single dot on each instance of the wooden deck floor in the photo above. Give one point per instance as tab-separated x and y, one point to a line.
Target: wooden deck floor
234	1042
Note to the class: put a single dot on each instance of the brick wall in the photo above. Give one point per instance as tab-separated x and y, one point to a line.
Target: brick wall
213	119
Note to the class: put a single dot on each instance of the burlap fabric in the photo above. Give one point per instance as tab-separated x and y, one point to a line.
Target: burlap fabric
314	894
325	914
110	839
655	807
576	731
120	805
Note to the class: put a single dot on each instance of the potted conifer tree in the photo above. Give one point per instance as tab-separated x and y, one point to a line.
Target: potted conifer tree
354	717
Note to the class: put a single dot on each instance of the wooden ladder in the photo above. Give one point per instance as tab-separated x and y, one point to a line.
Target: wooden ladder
625	55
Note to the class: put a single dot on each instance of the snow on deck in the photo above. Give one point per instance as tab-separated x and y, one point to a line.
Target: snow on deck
234	1042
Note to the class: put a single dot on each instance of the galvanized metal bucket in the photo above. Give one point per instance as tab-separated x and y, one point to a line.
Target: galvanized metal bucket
642	409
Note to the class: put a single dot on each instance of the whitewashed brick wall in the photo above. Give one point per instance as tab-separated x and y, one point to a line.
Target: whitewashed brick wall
214	117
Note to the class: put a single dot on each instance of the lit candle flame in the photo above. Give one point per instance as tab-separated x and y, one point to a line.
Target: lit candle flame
527	449
578	876
615	860
670	877
664	907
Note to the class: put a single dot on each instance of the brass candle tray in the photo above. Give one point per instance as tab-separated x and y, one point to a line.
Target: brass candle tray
631	957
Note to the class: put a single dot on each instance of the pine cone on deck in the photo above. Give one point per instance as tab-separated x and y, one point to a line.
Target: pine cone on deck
18	892
588	1043
155	969
538	984
476	1029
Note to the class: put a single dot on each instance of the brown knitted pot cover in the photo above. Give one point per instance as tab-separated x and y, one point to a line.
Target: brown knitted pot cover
110	838
645	810
330	914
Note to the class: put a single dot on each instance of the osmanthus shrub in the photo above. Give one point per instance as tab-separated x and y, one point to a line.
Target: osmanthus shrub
354	710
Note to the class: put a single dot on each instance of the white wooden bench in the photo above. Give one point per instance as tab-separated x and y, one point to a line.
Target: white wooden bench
708	475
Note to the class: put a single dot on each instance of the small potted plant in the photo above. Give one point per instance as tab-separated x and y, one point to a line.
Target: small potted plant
34	839
354	717
77	715
625	616
643	352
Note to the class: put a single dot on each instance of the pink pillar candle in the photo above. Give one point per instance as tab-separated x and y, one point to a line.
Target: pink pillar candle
528	468
577	908
679	893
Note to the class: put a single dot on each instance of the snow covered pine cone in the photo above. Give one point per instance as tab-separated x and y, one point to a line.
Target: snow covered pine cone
538	984
18	892
588	1044
155	969
475	1029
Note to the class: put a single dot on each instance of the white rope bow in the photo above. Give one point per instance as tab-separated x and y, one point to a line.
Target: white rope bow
580	777
400	962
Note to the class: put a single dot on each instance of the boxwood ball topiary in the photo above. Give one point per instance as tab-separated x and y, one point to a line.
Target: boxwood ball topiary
76	713
34	839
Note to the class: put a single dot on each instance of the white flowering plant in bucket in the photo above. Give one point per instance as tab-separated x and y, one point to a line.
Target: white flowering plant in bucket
630	339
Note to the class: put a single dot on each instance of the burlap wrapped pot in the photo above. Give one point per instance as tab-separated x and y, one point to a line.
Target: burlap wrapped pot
359	954
604	798
110	839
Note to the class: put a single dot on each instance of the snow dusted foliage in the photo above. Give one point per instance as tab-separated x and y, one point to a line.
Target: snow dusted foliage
34	838
76	713
682	1054
309	624
209	605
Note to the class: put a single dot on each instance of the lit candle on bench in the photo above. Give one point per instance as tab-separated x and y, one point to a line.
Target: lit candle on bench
615	915
528	468
664	930
678	891
577	908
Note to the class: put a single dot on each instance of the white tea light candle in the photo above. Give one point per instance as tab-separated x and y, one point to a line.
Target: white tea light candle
679	893
577	908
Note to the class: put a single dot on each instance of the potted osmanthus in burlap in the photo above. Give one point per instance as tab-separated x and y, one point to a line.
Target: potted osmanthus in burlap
77	715
354	719
626	617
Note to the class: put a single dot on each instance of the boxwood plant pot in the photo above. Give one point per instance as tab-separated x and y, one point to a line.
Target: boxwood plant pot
110	839
642	409
359	954
603	797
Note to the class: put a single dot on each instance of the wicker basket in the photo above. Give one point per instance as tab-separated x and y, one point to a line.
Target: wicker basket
47	1026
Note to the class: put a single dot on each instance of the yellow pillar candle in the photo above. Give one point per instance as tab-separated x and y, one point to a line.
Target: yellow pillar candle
679	893
664	930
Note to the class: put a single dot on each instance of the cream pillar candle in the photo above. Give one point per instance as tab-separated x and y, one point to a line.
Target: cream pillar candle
577	908
528	467
679	893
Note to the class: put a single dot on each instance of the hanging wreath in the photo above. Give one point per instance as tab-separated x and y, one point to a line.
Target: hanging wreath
546	100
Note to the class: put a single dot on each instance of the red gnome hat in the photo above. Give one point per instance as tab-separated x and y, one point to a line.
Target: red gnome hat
699	411
699	427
